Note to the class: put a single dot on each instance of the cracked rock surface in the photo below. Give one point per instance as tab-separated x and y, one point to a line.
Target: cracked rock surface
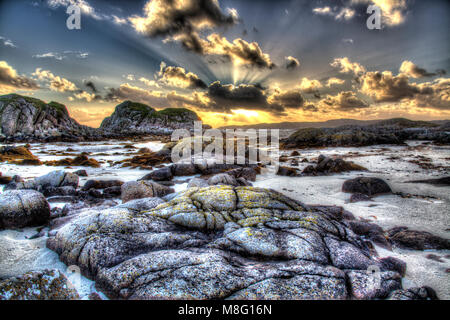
223	242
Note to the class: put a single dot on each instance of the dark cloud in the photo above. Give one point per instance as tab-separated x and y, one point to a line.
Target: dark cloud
178	77
243	96
289	99
169	18
346	101
239	51
292	63
385	87
91	85
410	69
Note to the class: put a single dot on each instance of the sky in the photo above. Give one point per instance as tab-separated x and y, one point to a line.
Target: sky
233	62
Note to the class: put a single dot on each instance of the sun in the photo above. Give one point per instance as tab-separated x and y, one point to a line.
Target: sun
246	113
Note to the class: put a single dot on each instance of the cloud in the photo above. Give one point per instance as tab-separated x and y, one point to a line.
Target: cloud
63	55
129	77
91	86
10	80
393	11
439	98
240	52
7	43
119	21
334	82
346	66
411	70
292	63
310	86
385	87
148	82
84	6
348	40
179	78
290	99
87	96
169	18
56	83
129	92
345	101
339	14
227	97
222	98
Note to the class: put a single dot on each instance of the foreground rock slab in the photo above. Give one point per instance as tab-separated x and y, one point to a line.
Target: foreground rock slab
222	242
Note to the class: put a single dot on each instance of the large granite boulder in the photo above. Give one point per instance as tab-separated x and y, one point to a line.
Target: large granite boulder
23	208
223	242
367	186
38	285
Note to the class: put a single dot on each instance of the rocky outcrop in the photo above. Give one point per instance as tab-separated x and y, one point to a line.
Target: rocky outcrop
131	117
29	119
54	179
23	208
26	119
326	165
367	186
393	131
417	240
38	285
223	243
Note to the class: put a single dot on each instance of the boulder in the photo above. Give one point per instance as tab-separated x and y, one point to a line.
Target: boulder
38	285
163	174
198	183
221	242
183	169
101	184
417	240
143	189
287	172
371	231
112	192
326	165
81	173
359	197
142	204
247	173
223	179
5	179
366	185
23	208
